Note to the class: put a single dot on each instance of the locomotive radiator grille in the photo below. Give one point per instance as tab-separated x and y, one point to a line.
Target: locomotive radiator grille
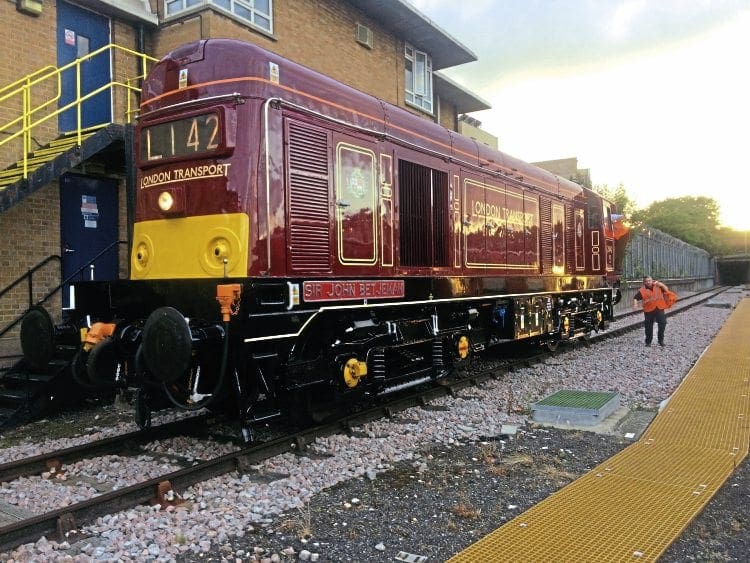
308	185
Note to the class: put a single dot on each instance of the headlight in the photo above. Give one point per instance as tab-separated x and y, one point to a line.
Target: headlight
166	201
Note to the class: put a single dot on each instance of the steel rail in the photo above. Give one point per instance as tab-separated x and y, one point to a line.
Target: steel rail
113	444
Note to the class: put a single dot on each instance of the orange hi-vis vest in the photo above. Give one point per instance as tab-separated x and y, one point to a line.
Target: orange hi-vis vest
652	299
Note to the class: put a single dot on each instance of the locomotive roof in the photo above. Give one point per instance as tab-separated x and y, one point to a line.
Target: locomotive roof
244	68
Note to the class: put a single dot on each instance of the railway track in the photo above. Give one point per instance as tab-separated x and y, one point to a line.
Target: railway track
124	443
64	522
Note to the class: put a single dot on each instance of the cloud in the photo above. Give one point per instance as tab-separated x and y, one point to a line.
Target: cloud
653	96
624	17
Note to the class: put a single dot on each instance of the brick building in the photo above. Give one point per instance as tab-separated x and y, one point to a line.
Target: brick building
567	168
383	47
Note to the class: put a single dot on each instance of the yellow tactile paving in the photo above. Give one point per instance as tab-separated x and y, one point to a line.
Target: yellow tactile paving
632	506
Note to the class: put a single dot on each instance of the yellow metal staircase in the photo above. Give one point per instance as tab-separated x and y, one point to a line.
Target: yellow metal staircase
35	159
32	102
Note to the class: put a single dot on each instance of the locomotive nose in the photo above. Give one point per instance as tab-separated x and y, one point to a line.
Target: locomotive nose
167	344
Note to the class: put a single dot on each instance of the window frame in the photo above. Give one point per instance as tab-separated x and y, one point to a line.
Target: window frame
185	6
424	99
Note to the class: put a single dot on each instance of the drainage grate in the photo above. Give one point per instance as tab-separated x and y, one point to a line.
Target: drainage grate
576	407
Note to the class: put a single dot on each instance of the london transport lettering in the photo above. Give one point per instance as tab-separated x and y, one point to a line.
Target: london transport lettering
511	216
182	174
351	290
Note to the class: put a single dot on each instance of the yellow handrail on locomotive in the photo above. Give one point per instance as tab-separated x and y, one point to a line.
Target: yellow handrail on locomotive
22	89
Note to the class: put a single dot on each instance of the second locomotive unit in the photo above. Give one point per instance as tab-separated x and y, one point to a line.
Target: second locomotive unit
298	243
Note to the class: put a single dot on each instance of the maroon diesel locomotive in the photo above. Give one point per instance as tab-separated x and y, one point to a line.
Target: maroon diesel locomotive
299	243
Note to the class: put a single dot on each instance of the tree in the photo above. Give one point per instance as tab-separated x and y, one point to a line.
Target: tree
618	196
735	241
694	220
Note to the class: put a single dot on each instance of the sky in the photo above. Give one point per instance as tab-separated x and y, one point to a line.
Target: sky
650	94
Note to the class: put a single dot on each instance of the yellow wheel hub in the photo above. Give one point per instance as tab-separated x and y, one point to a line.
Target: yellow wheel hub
462	347
353	371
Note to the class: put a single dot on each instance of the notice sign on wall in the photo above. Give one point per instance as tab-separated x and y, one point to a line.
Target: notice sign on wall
89	211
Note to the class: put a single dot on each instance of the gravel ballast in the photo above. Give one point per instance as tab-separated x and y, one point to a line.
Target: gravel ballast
427	483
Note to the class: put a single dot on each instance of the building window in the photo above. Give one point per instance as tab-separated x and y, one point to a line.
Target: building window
257	12
418	78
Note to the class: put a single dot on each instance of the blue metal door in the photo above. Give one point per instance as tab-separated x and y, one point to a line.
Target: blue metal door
89	225
80	32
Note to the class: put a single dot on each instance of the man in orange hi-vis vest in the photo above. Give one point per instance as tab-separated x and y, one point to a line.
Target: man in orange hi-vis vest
651	296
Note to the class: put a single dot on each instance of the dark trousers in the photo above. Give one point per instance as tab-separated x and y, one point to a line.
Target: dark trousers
659	317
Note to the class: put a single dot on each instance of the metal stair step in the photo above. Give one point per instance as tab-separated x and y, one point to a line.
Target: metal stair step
38	161
49	151
68	141
14	174
38	158
11	173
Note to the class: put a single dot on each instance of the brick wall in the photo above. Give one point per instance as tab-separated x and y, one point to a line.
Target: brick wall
30	232
319	34
19	58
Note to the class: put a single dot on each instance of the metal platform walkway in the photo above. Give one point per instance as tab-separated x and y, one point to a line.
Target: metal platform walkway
634	505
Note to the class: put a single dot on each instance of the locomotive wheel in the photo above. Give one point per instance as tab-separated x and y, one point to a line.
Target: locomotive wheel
102	364
167	344
80	372
200	386
78	369
552	345
38	337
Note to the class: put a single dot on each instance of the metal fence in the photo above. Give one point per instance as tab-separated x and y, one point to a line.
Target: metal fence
655	253
650	252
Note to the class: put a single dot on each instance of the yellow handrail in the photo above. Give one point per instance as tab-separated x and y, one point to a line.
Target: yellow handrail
26	78
32	116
